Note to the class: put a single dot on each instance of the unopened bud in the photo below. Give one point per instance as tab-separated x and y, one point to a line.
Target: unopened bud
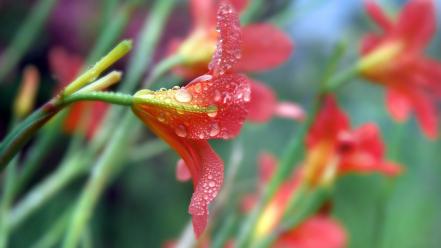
25	99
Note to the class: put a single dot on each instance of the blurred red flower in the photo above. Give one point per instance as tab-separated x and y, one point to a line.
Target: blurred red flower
87	115
264	47
333	148
395	58
316	231
211	106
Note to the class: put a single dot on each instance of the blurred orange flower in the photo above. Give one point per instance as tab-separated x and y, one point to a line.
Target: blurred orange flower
395	58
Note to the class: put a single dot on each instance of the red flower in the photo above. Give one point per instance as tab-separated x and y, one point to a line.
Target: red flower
316	231
395	58
88	115
334	149
212	106
264	47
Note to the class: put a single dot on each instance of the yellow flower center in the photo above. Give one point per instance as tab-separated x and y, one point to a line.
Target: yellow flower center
381	59
199	47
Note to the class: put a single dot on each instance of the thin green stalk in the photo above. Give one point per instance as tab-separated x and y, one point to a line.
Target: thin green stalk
102	172
67	172
49	135
162	68
112	29
36	154
54	234
141	58
113	155
225	231
6	202
389	186
25	36
22	133
41	193
109	97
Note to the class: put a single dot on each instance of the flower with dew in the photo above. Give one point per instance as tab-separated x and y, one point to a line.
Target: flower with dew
395	59
318	230
334	149
212	106
88	115
264	47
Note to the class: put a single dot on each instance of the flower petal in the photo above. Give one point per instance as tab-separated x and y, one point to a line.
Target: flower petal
367	153
267	166
417	23
203	13
64	66
398	105
369	43
263	102
378	15
228	48
206	108
317	231
205	166
264	47
239	5
182	172
329	123
289	110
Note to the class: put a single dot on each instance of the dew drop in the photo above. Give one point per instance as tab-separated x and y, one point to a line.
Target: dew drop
211	184
182	95
176	87
212	114
247	96
181	131
217	96
197	88
161	117
227	98
214	130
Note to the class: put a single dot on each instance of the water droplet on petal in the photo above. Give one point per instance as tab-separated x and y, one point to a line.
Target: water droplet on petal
197	88
217	96
211	184
161	117
212	114
214	130
182	95
247	96
181	131
176	87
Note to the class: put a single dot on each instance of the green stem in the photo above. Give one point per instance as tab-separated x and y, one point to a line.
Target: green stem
340	79
113	155
90	75
24	131
6	202
71	169
161	68
53	235
109	97
68	171
25	36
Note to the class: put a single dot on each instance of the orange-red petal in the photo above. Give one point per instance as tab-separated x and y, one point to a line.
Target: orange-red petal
398	105
228	48
208	107
378	15
318	231
205	166
329	123
182	172
416	23
264	47
263	102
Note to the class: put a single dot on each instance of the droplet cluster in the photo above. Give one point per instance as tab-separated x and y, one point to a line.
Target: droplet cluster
228	49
